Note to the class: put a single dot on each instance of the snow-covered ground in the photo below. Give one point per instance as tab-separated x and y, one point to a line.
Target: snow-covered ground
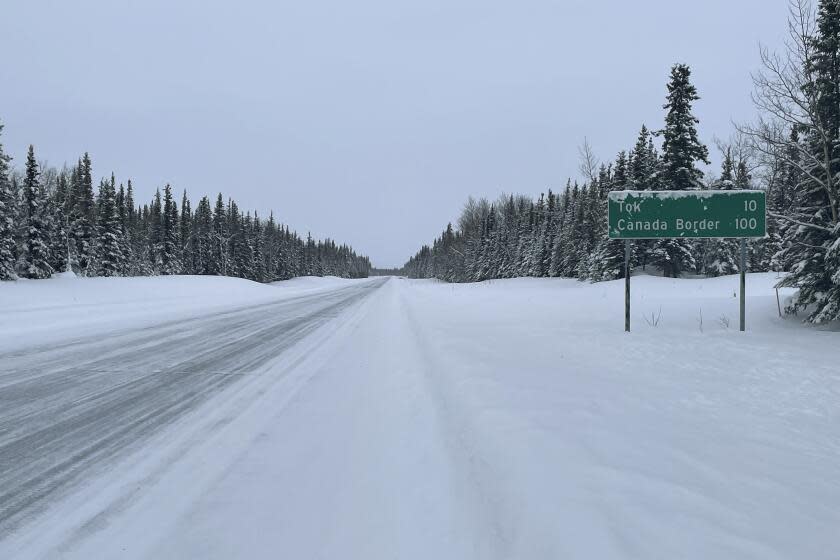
507	419
51	310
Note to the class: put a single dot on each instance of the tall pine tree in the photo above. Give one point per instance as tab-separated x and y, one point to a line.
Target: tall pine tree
7	218
681	150
721	255
82	217
170	255
813	234
35	260
109	255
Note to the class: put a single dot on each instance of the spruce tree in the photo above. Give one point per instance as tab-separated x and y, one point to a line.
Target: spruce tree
782	200
681	150
155	232
721	255
569	242
271	248
258	268
608	258
133	236
7	218
544	238
593	228
641	176
814	235
124	210
59	225
218	260
245	259
203	235
561	235
578	255
82	217
170	257
186	238
109	255
35	261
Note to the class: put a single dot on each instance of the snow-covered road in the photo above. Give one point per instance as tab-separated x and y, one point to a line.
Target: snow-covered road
69	410
414	419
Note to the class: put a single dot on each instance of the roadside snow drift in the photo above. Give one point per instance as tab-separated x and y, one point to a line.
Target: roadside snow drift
66	306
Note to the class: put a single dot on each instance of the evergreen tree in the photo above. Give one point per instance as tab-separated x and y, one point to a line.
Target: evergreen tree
170	261
641	177
82	217
642	165
608	257
186	238
8	204
773	245
544	240
681	149
568	246
136	254
593	228
59	240
154	228
814	234
258	268
218	260
124	211
721	255
561	238
109	255
271	250
35	261
203	234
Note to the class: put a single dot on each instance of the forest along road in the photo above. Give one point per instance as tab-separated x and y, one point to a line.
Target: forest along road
68	411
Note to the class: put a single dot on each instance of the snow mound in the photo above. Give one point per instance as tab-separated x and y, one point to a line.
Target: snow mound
42	311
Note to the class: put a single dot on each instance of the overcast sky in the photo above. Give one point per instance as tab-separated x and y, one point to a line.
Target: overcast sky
368	121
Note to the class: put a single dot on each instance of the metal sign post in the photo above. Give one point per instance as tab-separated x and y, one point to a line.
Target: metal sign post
743	272
686	214
626	285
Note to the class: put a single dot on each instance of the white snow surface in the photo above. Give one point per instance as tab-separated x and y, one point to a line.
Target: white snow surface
506	419
65	305
622	195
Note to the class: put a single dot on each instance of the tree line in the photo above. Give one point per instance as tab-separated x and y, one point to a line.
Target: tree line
51	222
792	152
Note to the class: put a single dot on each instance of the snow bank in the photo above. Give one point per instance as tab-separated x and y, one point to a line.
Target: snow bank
681	304
39	311
668	442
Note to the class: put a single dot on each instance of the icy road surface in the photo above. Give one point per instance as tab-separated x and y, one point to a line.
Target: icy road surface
415	420
68	410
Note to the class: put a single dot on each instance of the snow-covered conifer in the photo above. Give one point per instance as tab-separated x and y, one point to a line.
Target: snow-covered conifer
8	204
681	150
35	259
109	255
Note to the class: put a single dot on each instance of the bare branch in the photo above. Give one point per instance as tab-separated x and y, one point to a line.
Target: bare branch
799	223
589	162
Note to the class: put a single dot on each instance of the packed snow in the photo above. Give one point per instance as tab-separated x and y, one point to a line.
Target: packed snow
504	419
64	306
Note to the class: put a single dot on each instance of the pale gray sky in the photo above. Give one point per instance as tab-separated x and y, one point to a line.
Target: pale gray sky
367	121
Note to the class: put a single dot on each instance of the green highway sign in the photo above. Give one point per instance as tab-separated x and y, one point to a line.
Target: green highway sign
689	214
